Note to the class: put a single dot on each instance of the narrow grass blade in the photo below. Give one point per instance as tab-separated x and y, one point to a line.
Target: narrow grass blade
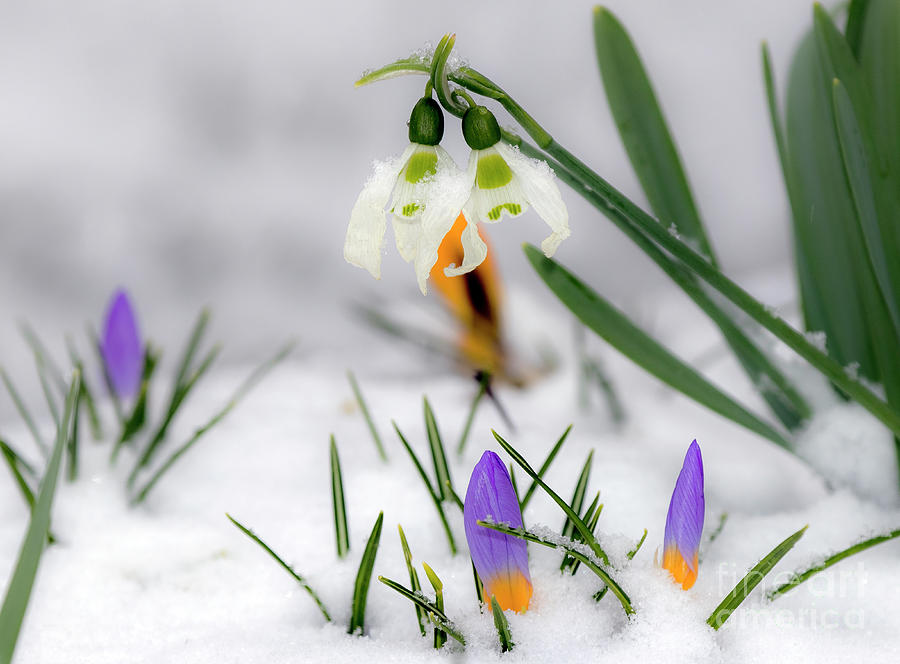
290	570
483	379
637	547
564	506
18	591
46	388
611	324
41	354
746	585
436	616
420	338
364	409
592	370
138	417
190	349
557	543
249	383
19	467
545	467
87	397
72	444
435	498
644	130
454	497
577	501
23	412
479	586
515	484
438	456
440	636
591	518
185	380
341	531
97	347
180	392
413	578
500	622
800	577
723	519
363	579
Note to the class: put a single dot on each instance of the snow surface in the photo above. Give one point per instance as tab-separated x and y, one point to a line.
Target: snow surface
173	580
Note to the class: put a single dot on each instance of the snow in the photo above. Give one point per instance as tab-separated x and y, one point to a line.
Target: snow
174	580
209	153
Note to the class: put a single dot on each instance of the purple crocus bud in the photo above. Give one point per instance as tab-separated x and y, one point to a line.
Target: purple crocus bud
684	523
121	346
500	559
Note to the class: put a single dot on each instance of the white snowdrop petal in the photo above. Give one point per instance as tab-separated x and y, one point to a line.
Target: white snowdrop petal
496	192
446	196
413	180
365	232
474	249
538	184
406	234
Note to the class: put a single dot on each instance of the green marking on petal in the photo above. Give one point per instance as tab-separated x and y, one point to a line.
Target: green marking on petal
420	166
492	172
512	208
410	209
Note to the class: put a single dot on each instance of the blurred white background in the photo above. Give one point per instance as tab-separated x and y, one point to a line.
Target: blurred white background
208	153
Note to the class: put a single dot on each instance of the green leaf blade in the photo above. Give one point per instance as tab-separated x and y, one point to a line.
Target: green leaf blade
444	482
502	625
18	592
290	570
609	323
644	130
746	585
341	531
364	579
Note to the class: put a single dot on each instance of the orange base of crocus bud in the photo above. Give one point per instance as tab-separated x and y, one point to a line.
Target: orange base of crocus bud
678	567
512	591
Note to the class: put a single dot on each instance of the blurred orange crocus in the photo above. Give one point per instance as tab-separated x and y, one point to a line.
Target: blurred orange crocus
474	299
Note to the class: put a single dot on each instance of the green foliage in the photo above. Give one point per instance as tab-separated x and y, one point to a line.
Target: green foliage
611	324
249	383
582	528
364	409
654	157
290	570
500	622
544	468
18	592
746	585
432	491
440	636
435	615
364	579
444	484
800	577
595	565
413	578
341	531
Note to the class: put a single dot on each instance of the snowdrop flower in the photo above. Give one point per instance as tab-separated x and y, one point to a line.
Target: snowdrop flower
120	346
501	560
503	181
428	192
684	522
